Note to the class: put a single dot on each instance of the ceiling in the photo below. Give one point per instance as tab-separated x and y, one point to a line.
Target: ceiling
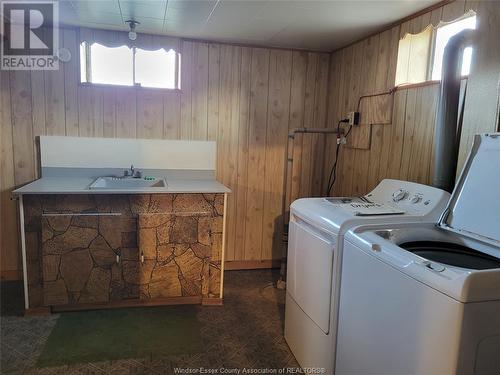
307	24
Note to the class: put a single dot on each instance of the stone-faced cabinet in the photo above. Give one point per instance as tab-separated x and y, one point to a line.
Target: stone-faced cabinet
89	250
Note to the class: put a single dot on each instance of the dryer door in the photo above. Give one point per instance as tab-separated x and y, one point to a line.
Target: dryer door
310	271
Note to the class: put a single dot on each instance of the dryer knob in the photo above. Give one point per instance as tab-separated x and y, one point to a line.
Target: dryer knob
399	195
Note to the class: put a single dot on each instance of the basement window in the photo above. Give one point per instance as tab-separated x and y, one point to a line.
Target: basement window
420	56
129	66
443	35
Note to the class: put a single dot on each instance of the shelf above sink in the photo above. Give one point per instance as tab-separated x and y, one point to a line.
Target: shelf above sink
127	183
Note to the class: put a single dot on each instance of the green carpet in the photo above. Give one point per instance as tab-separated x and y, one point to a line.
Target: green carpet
93	336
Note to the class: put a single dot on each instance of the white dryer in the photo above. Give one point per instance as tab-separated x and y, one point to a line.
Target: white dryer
424	299
316	233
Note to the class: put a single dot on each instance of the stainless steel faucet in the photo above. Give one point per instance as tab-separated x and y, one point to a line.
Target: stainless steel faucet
132	172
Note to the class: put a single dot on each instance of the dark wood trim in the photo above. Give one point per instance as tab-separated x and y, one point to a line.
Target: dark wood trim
211	301
37	311
399	22
254	45
231	265
11	275
130	303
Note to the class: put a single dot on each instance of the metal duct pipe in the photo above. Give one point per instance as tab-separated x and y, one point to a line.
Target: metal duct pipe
447	131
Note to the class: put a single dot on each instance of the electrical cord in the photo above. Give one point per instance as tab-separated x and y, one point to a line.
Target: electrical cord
348	131
333	172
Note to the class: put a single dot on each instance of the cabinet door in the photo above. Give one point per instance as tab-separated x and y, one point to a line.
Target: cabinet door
82	257
173	261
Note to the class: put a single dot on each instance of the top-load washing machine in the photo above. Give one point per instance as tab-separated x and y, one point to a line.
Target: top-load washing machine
425	299
316	233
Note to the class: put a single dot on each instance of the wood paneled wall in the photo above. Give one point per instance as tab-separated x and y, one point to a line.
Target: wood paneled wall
402	147
247	99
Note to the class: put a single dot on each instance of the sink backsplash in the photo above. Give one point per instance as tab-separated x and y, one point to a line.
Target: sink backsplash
95	157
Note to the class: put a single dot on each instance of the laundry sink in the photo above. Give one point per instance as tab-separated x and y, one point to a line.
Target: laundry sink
127	183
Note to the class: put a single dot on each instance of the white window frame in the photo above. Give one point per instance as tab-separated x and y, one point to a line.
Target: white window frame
88	71
432	55
404	60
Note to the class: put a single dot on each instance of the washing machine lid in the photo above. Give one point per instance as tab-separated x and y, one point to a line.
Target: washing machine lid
474	207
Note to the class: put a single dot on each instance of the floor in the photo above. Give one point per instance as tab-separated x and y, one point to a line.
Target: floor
247	332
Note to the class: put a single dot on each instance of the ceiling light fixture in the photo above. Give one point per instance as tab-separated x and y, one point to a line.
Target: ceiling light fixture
132	35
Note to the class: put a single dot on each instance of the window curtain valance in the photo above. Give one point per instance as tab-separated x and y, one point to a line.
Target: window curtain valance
111	38
413	57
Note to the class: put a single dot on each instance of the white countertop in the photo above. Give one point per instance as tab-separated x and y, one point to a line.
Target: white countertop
80	185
